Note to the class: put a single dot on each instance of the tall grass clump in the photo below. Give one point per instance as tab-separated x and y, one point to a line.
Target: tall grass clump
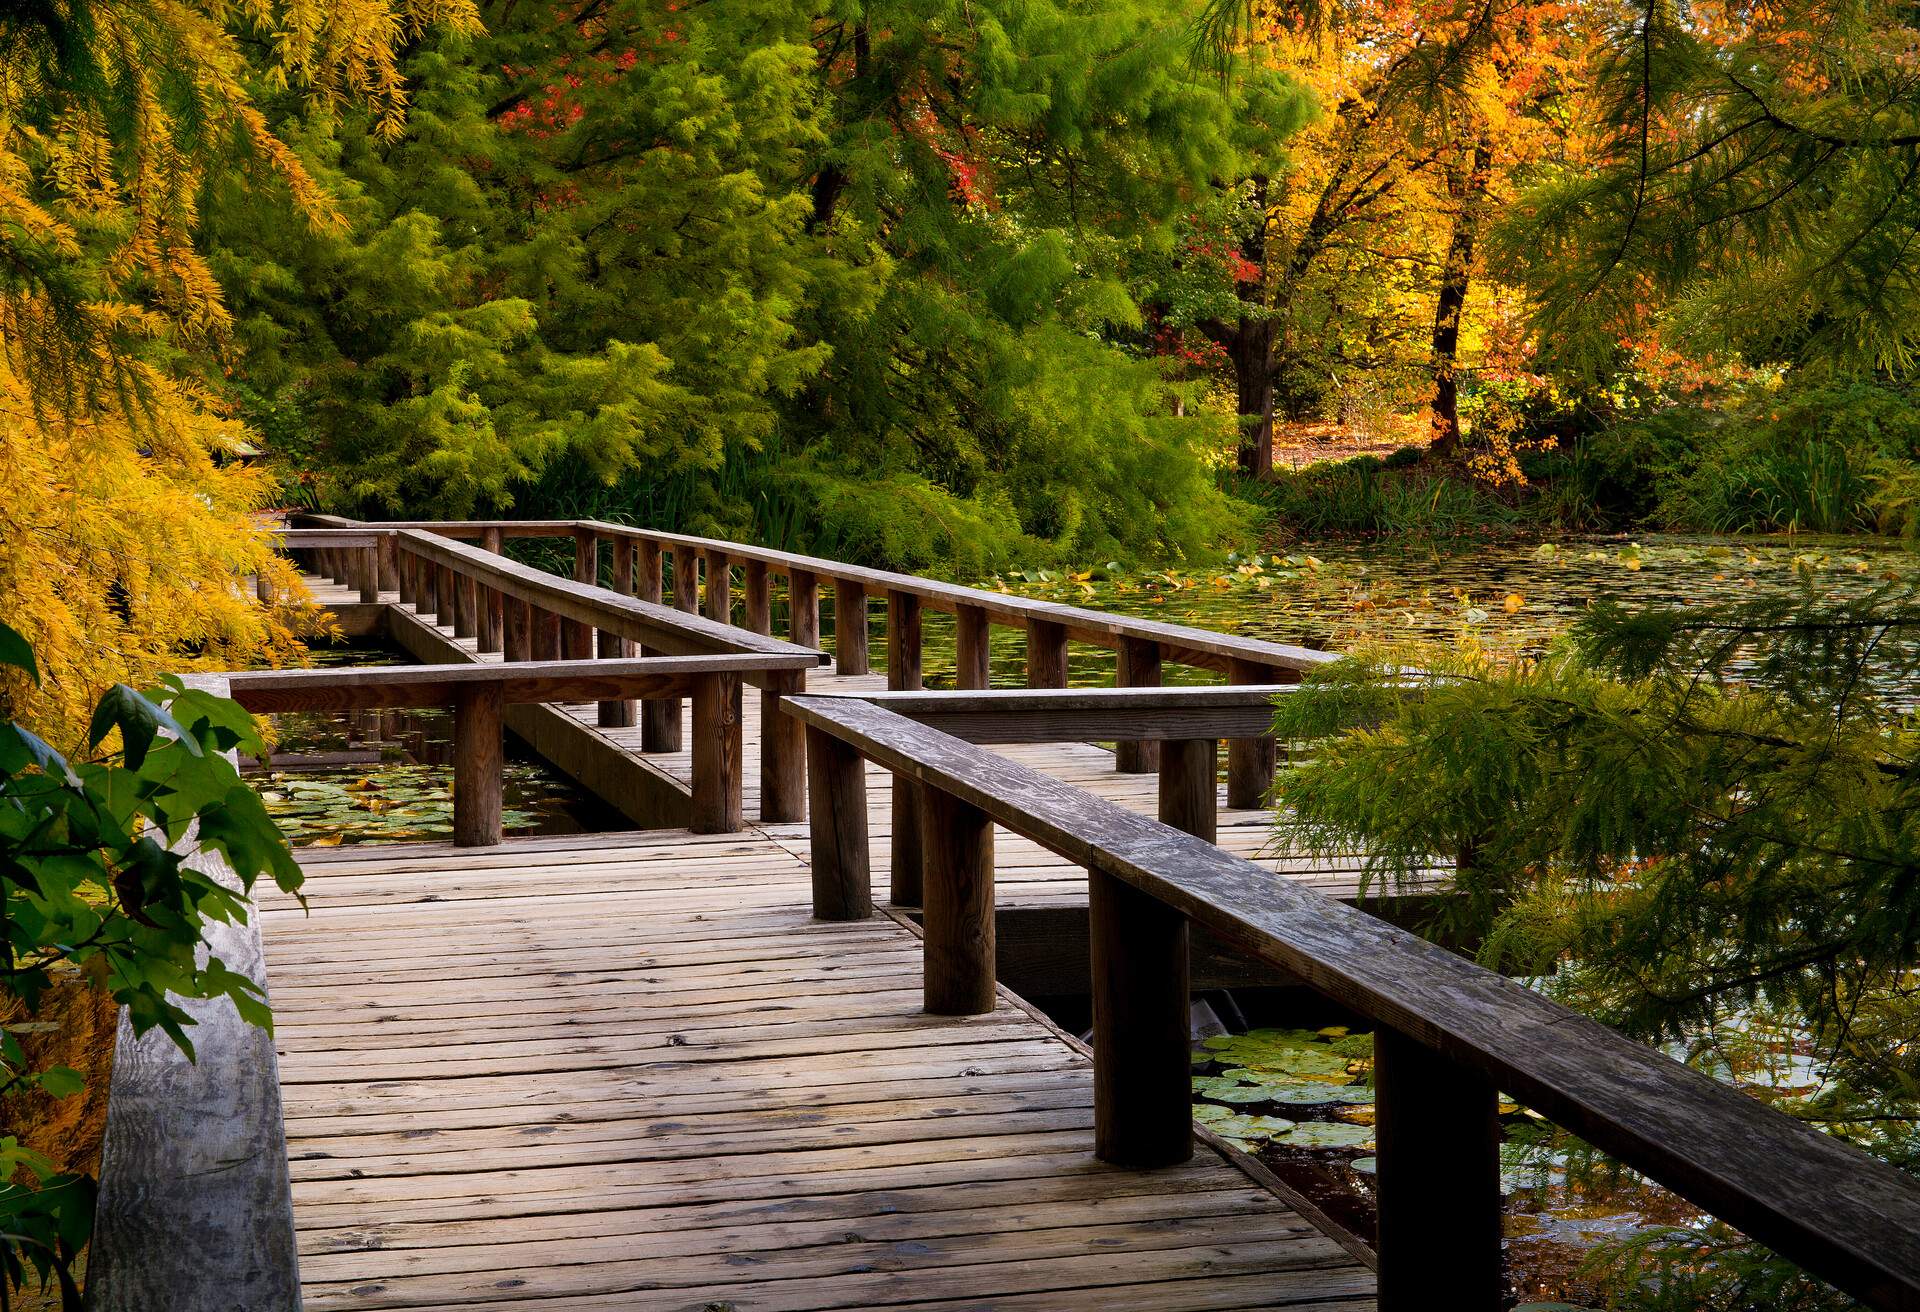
1370	497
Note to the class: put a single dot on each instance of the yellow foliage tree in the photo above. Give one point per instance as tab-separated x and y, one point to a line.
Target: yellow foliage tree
127	525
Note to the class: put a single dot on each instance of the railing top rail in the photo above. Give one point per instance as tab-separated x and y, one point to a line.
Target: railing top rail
1844	1215
326	537
1201	646
1063	715
519	681
676	632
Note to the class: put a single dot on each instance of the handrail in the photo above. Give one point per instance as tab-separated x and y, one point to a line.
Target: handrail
195	1212
1089	715
1451	1033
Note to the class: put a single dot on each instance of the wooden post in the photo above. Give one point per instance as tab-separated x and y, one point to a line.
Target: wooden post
405	564
803	608
476	765
618	714
369	571
1139	668
716	754
1046	654
576	636
759	597
660	716
972	645
783	750
837	829
1251	761
959	948
389	562
516	630
686	580
546	635
907	888
1142	1102
1187	794
492	614
262	589
719	596
425	601
1437	1129
444	598
849	627
465	607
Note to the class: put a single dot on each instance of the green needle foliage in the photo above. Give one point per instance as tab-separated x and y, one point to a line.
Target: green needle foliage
1693	818
96	886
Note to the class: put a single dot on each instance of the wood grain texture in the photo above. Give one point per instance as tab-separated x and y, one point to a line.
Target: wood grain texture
849	627
837	829
1250	761
958	842
759	597
783	752
716	754
717	597
195	1212
1139	667
1186	786
1844	1215
973	663
477	760
803	608
1046	653
1142	1053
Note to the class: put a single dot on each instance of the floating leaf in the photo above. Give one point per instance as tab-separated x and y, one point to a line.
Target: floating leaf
1328	1134
1251	1129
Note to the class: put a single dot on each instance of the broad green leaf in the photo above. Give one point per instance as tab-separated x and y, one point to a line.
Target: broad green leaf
16	651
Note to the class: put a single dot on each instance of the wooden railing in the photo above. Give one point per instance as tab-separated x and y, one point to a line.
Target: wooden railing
1448	1033
478	692
527	614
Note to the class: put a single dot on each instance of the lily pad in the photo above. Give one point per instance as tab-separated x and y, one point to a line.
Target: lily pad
1328	1134
1251	1129
1228	1090
1365	1165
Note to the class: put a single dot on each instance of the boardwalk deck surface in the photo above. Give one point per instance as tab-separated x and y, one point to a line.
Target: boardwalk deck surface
630	1071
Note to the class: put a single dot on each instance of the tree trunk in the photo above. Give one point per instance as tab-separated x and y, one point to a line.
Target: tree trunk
1248	343
1468	190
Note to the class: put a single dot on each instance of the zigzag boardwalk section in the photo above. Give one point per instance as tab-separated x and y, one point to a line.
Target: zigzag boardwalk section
630	1071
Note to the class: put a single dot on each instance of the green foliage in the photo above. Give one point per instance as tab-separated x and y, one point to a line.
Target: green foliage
1693	817
95	883
1368	497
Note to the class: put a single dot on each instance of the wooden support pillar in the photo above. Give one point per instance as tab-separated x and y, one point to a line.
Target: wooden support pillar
959	947
389	562
1046	654
618	714
686	580
466	607
492	617
516	630
546	635
849	627
491	538
759	597
445	597
576	636
907	888
716	754
476	765
1187	794
803	608
425	602
837	829
660	716
368	568
719	594
262	589
1139	668
405	564
973	663
783	750
1251	761
1437	1129
1142	1099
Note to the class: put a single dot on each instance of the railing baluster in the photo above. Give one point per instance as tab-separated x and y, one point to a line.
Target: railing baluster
408	573
1139	668
576	636
367	566
493	602
389	574
686	580
759	597
618	714
1437	1133
1251	761
716	754
1187	791
1142	1102
546	635
849	627
907	860
517	630
783	750
973	647
803	608
466	609
659	716
959	948
719	595
1046	654
837	832
476	765
443	596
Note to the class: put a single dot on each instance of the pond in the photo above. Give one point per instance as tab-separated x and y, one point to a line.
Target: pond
387	776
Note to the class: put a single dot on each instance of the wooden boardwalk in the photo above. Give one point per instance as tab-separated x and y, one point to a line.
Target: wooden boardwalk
630	1071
